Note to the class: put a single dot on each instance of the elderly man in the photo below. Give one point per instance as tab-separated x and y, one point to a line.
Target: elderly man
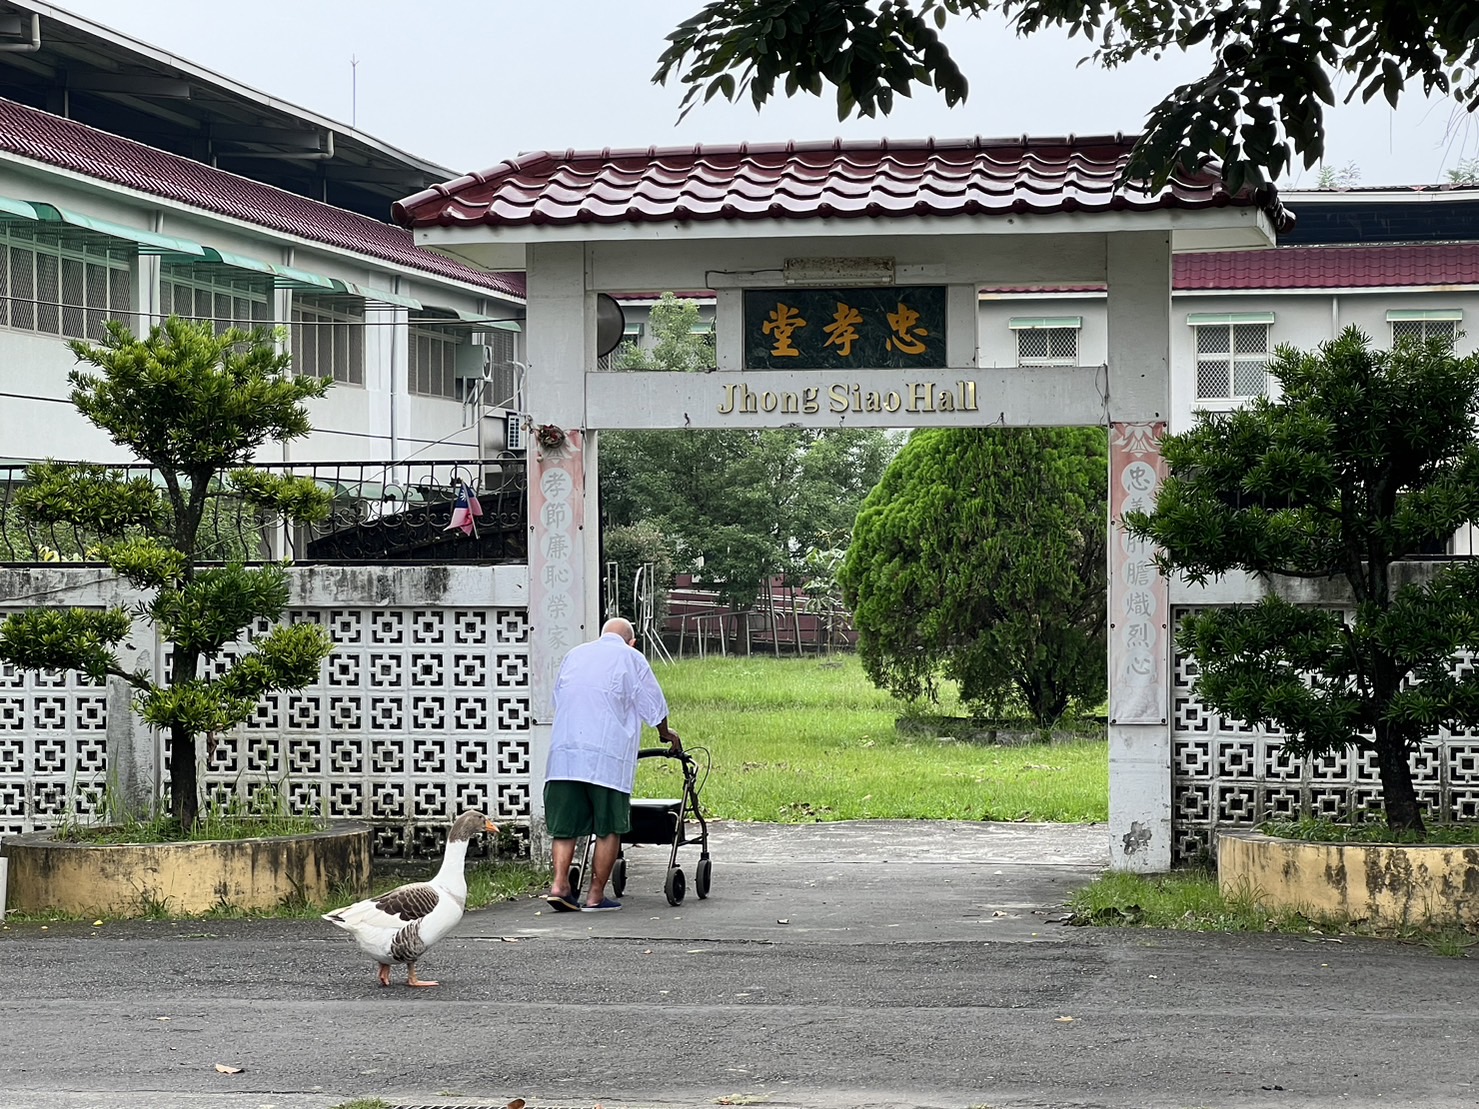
605	690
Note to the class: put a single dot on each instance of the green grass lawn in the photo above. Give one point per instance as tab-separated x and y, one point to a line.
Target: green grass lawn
798	740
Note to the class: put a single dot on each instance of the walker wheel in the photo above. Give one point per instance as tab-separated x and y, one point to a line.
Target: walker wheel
619	877
676	886
575	877
701	879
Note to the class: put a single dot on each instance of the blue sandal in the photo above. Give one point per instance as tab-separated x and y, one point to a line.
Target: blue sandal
561	904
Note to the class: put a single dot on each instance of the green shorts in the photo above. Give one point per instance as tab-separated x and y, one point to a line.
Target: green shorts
575	809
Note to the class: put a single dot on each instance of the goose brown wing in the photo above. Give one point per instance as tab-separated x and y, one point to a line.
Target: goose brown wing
413	902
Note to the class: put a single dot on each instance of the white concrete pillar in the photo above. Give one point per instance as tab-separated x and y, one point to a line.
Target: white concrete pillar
563	513
135	755
1139	320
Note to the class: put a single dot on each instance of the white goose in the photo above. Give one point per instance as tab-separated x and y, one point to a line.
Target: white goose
399	926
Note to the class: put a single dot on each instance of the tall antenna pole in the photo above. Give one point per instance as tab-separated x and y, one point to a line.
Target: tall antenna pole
353	89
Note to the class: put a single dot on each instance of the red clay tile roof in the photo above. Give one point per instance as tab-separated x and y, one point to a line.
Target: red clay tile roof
806	180
1308	267
70	145
1329	267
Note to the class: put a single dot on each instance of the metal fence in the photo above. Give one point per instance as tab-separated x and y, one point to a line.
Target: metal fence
380	512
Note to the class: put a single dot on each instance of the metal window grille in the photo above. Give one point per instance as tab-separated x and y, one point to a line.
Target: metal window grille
224	297
632	337
1420	331
505	385
1047	346
328	341
1232	360
433	361
69	288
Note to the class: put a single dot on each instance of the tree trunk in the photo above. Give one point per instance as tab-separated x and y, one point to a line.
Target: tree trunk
1404	814
184	790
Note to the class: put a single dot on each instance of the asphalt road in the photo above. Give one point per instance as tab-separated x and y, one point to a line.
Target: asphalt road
857	965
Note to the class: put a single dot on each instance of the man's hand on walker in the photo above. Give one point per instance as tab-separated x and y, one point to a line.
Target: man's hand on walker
675	745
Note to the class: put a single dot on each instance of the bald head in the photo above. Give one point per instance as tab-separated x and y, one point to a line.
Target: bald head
619	626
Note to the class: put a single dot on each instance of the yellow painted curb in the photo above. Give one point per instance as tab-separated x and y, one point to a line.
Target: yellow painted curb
1385	883
186	879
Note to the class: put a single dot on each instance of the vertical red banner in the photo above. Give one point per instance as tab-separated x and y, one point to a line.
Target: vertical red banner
1139	599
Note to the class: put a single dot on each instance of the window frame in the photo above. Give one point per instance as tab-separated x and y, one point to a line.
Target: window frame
63	259
1203	323
337	321
236	284
420	379
1027	327
1427	319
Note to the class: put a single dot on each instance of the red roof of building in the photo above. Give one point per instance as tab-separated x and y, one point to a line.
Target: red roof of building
70	145
1309	267
1329	267
842	180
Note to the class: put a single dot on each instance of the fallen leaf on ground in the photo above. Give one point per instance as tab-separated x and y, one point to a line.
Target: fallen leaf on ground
1064	1020
786	921
516	1103
224	1069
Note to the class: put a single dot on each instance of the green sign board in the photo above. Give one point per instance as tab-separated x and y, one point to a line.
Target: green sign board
836	329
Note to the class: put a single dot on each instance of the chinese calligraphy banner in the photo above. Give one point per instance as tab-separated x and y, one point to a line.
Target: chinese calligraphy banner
827	329
1139	599
556	565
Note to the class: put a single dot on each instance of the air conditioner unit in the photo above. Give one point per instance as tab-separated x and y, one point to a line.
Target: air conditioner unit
514	432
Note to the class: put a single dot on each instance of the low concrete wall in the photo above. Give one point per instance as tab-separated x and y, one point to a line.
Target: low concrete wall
1390	884
184	879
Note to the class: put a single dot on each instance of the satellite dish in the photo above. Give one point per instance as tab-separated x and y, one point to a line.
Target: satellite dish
611	324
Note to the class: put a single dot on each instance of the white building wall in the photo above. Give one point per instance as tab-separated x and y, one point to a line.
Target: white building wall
378	420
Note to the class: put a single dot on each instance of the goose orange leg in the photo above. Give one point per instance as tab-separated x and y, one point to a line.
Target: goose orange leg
385	974
412	980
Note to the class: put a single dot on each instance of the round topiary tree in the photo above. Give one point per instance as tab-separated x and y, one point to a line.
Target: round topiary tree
194	405
980	557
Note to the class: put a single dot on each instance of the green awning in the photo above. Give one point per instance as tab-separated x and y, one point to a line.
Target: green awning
477	321
380	296
149	242
287	277
1395	315
1025	323
18	208
236	261
283	277
1201	319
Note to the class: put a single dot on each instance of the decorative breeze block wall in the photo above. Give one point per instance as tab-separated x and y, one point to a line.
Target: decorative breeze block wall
1226	773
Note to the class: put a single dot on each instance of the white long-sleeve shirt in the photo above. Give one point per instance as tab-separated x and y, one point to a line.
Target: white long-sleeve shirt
604	691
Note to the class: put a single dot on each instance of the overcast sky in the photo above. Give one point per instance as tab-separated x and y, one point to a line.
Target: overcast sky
467	83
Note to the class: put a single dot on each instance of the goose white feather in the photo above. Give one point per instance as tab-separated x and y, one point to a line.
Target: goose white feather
399	926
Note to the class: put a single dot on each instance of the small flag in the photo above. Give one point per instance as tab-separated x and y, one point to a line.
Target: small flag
464	512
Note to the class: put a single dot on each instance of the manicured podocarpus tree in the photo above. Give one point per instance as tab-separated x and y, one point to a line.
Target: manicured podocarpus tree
1366	458
979	557
195	405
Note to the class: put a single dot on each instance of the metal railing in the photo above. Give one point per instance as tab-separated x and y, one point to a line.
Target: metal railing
380	512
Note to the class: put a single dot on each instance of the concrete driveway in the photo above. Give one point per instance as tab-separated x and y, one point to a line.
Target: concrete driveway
834	966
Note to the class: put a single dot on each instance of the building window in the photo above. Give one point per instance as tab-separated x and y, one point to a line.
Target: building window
505	384
1418	326
1232	355
433	361
632	336
63	288
228	298
1047	340
328	341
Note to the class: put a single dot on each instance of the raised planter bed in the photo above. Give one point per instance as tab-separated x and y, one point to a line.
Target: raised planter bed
185	879
1390	884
